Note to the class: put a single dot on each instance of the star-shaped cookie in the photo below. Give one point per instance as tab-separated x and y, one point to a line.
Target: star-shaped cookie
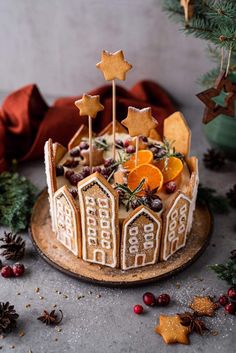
113	65
89	105
139	121
171	330
203	306
213	109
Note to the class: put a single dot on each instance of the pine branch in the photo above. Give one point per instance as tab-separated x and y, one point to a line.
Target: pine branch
226	272
209	196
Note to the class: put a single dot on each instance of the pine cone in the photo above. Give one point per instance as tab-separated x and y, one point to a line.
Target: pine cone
13	245
213	159
8	317
231	194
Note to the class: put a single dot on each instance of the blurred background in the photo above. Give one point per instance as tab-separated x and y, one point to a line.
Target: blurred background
56	44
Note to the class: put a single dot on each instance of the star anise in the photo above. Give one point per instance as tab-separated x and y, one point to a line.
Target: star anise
50	318
213	159
151	193
231	195
192	322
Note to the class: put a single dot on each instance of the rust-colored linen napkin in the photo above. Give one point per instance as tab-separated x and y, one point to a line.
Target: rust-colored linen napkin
26	120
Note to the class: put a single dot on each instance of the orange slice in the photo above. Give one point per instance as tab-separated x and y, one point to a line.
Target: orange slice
144	157
152	175
174	168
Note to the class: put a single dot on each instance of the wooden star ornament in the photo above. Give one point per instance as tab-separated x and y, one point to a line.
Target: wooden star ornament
188	9
171	330
224	86
89	105
113	65
139	121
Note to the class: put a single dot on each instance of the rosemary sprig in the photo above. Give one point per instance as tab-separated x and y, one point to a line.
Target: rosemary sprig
130	195
101	143
169	151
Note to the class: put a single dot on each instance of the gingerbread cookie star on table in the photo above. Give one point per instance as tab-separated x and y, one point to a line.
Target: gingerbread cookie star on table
139	121
89	105
113	65
203	306
171	330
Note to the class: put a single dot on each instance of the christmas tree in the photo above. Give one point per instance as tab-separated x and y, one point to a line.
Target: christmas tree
213	21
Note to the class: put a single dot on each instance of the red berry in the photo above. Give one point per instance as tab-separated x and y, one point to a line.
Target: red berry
163	299
127	142
130	149
156	205
149	299
108	162
75	152
230	308
83	145
170	187
18	269
59	170
74	193
232	293
75	178
85	172
96	169
138	309
223	300
7	272
68	174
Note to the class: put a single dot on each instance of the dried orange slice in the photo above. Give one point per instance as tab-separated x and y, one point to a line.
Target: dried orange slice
151	174
144	157
172	170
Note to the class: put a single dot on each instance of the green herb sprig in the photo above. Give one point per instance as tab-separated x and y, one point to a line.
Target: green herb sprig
17	196
227	271
130	195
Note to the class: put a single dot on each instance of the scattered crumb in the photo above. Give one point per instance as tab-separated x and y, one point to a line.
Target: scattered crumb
56	339
28	306
214	333
98	296
177	285
37	289
55	305
12	347
30	351
1	337
80	296
18	293
59	329
0	347
90	292
41	298
65	296
21	333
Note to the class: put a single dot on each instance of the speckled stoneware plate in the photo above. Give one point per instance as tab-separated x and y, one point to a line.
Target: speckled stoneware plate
58	256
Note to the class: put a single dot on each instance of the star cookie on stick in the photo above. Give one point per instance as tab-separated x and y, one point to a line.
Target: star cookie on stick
139	122
113	65
90	106
171	330
219	99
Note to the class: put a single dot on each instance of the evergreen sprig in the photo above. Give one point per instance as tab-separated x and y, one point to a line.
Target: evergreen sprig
227	271
209	196
17	196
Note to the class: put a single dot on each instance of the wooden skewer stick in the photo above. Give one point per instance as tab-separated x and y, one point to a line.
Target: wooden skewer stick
136	150
114	117
90	144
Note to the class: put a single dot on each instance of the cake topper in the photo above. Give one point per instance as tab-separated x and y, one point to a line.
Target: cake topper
90	106
139	122
113	66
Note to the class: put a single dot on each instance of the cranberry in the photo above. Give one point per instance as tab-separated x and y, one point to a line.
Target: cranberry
68	174
83	145
232	293
143	138
75	178
156	205
108	162
75	152
105	172
130	149
18	269
223	300
138	309
127	143
59	170
70	163
85	172
96	169
149	299
170	187
7	272
119	144
74	193
230	308
163	299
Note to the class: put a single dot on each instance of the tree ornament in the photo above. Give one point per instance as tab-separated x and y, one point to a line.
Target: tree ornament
231	195
50	318
219	99
213	159
114	66
192	322
13	246
188	9
8	317
90	106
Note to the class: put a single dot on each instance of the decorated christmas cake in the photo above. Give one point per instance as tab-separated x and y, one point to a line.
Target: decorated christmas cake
124	198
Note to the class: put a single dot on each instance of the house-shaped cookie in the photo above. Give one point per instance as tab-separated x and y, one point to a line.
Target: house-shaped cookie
175	225
67	221
98	203
141	235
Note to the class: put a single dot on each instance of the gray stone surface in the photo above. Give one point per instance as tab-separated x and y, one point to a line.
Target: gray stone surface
96	324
